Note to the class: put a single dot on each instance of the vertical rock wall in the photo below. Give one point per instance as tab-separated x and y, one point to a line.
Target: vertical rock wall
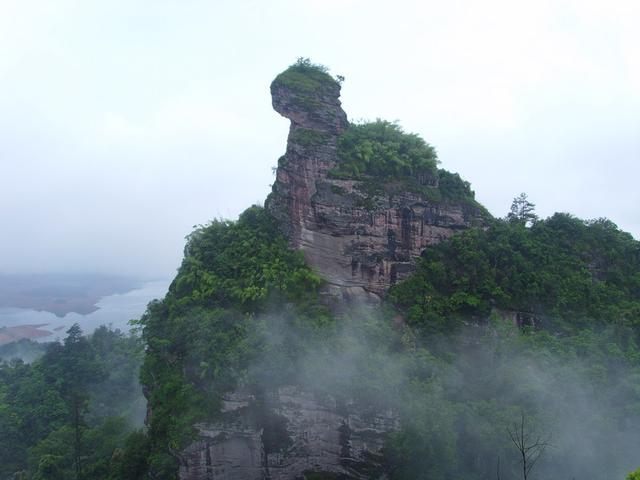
288	434
361	244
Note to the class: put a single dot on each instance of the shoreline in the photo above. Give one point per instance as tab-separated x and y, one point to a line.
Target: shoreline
115	310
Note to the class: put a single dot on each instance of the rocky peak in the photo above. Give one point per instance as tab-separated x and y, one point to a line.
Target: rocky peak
309	97
360	233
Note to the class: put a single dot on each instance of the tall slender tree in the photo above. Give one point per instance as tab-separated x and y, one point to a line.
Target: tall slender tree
522	211
79	369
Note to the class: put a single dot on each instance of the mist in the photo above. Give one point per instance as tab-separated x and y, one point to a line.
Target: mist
456	397
25	350
118	392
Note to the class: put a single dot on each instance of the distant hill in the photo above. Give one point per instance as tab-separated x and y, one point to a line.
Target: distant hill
60	293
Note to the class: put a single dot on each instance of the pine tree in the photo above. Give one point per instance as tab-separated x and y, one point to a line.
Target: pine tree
522	211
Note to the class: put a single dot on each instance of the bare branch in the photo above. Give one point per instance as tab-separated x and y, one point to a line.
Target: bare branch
529	450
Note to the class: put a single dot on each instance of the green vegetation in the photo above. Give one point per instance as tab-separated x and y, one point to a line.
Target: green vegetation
307	138
242	265
466	389
27	350
202	336
306	80
565	272
380	153
338	190
388	161
235	319
522	319
383	150
306	76
453	188
69	414
559	302
528	318
635	475
66	415
522	211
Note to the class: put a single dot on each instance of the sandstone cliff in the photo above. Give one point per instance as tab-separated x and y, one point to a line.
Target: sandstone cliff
362	235
361	242
288	434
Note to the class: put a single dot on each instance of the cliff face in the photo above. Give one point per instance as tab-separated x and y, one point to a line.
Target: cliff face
361	237
361	242
288	434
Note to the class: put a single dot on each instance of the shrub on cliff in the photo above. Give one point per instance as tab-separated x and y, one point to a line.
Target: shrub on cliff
382	149
572	273
387	158
241	265
306	80
635	475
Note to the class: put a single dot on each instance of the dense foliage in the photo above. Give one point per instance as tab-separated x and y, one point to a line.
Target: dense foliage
526	320
451	187
69	413
232	318
202	336
244	311
563	272
560	305
389	160
579	391
382	149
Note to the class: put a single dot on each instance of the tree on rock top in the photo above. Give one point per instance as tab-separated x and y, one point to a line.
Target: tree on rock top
304	76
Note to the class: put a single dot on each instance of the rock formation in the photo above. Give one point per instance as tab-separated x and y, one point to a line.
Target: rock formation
361	243
288	434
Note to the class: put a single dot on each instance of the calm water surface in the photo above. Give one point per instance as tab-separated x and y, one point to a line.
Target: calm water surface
114	310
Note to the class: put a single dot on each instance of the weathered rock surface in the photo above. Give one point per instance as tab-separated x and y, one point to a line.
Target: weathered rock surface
288	434
360	242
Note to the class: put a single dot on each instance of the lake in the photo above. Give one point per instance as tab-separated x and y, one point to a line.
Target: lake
115	310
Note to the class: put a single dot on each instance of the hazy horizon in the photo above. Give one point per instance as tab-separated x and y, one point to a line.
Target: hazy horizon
124	125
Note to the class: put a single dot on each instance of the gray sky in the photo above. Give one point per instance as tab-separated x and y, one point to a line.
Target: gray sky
124	123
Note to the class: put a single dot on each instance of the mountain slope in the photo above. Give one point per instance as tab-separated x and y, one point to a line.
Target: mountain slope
277	317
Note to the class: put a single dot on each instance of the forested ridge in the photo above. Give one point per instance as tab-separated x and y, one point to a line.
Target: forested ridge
467	370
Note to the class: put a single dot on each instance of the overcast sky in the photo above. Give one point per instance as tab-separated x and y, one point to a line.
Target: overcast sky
124	123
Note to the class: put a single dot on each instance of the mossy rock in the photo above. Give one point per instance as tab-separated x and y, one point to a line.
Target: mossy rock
308	81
